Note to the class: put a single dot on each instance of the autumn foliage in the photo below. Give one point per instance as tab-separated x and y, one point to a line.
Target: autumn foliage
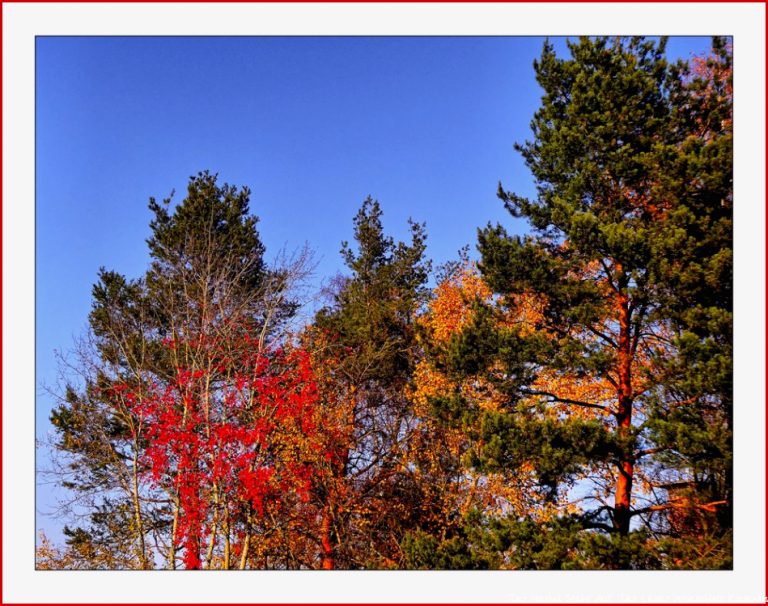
563	401
232	448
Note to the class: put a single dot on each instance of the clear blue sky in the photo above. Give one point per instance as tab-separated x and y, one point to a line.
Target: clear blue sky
311	125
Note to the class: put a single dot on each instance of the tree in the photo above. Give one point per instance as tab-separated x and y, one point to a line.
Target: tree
366	340
692	418
443	449
610	145
232	455
207	282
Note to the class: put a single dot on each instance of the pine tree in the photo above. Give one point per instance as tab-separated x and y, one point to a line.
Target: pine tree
626	180
692	417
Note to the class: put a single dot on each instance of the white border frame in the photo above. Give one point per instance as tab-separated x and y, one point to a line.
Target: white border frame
22	22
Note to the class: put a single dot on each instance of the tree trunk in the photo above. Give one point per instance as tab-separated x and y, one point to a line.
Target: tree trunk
246	542
227	548
244	555
327	562
623	497
143	561
174	529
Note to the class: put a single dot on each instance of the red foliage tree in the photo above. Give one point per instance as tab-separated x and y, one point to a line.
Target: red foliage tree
229	442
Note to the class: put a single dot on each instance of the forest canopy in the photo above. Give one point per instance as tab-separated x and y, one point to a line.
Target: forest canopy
560	400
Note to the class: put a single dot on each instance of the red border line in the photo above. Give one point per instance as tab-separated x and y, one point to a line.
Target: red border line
765	404
385	1
2	300
2	316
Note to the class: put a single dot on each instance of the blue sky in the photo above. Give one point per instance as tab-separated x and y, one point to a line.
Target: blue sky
311	125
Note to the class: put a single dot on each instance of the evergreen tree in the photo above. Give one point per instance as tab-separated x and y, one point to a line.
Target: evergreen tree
692	415
627	181
370	328
373	310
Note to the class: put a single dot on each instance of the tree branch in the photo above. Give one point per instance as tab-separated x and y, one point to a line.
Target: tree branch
556	398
